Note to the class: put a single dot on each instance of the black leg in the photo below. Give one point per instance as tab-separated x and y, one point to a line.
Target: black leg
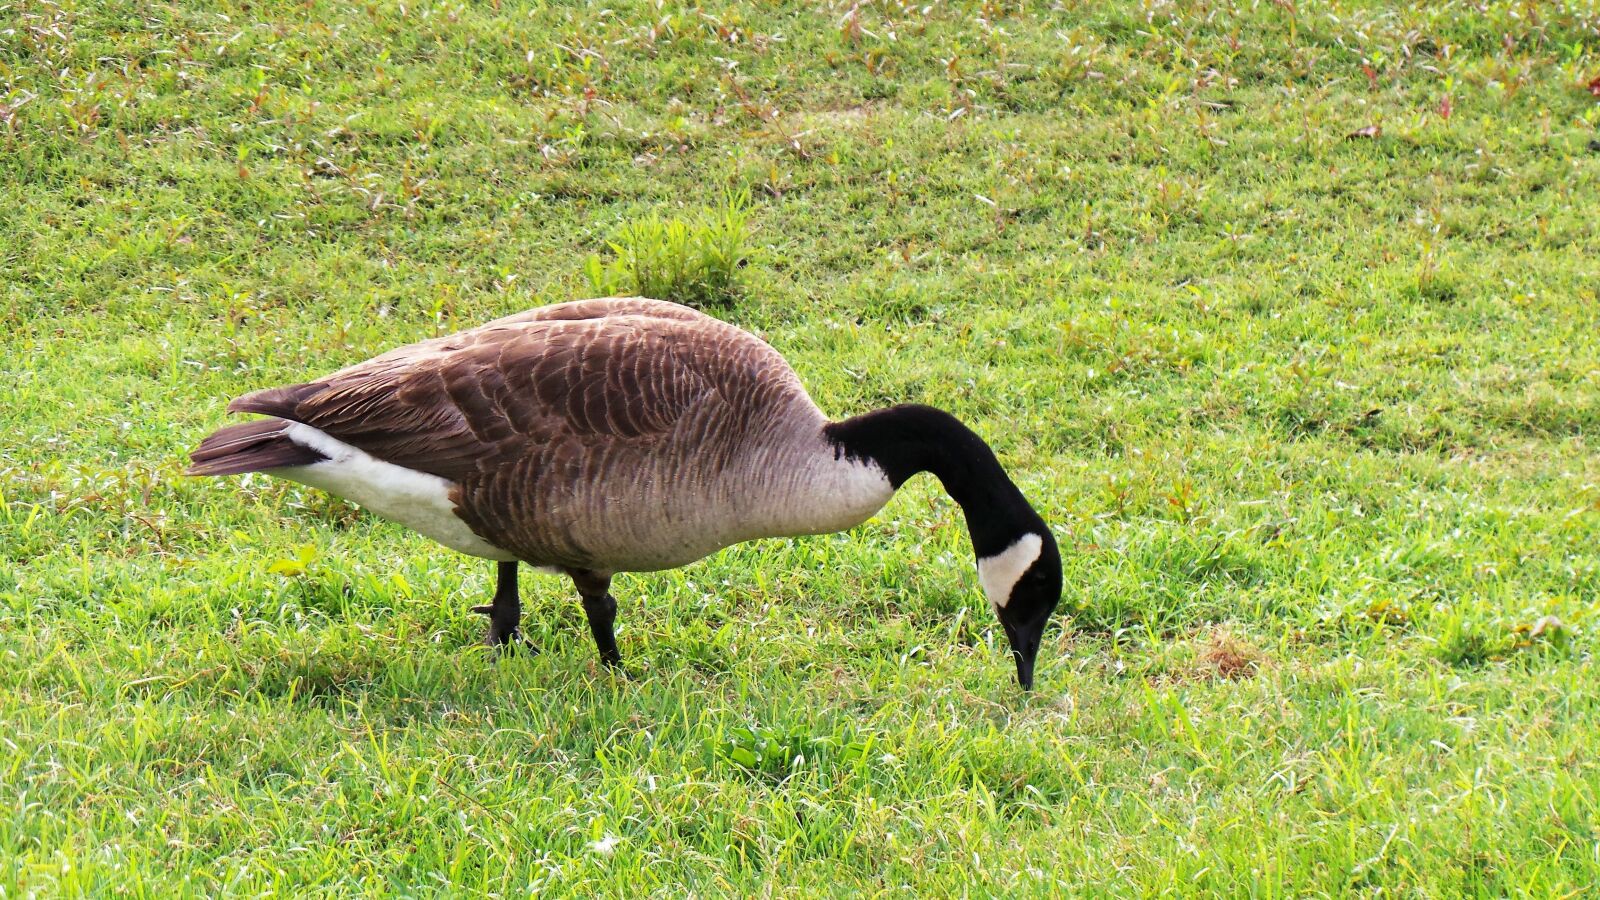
505	613
601	607
602	612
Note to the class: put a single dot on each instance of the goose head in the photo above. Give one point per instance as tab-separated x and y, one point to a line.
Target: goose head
1019	565
1023	585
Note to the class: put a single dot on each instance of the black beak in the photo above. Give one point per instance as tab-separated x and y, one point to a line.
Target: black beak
1025	647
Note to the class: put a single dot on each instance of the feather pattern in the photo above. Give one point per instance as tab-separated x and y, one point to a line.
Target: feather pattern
250	447
609	435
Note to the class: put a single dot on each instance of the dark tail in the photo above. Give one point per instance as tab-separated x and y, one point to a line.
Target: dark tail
250	447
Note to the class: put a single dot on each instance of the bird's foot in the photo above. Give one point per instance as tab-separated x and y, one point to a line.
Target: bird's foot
503	635
611	664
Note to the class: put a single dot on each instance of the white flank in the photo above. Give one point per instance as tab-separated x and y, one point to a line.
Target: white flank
415	499
999	573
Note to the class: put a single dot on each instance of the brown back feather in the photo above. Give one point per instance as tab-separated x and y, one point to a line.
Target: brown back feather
604	375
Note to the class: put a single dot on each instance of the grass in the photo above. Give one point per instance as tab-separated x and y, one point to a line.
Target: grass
696	264
1283	313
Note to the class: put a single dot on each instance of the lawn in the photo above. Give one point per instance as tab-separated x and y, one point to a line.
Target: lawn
1284	314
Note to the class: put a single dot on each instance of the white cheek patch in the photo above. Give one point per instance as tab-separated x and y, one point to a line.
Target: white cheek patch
999	573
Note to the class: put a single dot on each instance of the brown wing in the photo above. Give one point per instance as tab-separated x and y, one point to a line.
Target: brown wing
597	371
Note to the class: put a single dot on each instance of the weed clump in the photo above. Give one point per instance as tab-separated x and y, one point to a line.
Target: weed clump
696	263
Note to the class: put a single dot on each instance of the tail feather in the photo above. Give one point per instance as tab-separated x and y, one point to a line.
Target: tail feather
278	401
250	447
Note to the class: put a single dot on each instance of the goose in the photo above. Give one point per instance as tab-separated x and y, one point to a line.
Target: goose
625	435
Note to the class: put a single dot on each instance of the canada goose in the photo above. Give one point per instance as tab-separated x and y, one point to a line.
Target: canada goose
625	435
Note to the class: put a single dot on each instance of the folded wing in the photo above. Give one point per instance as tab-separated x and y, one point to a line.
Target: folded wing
467	403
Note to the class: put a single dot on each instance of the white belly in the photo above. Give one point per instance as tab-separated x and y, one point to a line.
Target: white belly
415	499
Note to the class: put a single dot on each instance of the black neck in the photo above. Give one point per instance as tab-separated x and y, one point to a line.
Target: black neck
905	440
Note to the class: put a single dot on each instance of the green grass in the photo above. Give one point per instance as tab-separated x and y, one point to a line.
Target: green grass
691	263
1313	416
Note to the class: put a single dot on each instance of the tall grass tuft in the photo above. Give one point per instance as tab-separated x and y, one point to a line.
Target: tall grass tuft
696	262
